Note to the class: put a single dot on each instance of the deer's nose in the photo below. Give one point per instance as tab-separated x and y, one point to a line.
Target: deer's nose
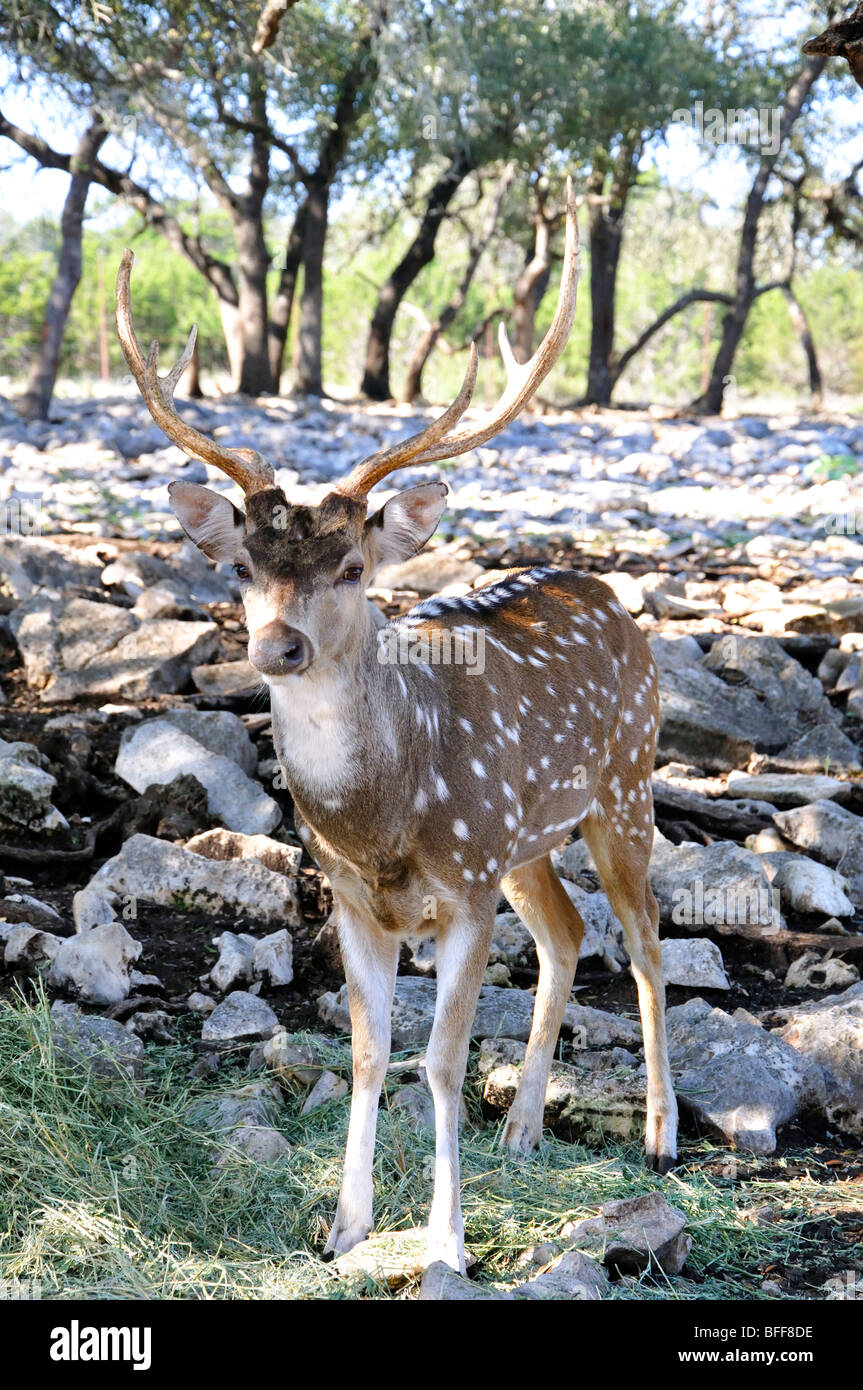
279	650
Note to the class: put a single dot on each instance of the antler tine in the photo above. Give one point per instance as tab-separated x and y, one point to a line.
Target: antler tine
245	466
362	478
523	378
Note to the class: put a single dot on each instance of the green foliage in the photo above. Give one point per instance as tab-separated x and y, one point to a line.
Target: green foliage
831	467
169	297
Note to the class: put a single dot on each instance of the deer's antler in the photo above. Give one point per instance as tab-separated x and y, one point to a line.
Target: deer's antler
244	466
522	380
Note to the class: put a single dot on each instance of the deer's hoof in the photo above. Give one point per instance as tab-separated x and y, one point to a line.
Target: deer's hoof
521	1137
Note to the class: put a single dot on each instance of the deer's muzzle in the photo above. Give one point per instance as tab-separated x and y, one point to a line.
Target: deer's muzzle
279	650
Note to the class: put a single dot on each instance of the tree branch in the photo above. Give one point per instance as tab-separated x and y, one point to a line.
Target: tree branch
691	297
216	272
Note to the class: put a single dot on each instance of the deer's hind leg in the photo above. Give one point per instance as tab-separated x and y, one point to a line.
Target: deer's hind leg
620	840
539	898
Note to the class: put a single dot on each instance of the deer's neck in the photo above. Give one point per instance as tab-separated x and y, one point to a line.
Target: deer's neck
348	731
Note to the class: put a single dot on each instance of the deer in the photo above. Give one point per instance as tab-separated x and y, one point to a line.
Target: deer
416	782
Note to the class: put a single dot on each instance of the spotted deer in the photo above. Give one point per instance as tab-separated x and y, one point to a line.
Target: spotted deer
421	782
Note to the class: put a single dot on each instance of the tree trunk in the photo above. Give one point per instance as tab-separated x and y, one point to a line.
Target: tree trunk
43	371
735	320
232	331
807	342
253	261
606	236
283	303
353	100
309	370
529	289
253	258
376	376
193	377
432	332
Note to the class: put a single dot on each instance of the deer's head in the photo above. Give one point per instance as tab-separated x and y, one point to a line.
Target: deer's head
303	570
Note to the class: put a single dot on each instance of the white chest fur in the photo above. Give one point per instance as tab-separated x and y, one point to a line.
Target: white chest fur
314	740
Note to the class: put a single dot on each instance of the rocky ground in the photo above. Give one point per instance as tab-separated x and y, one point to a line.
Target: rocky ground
153	882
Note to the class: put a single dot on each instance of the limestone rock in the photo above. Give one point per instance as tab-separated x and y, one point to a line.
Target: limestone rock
830	1032
218	731
814	971
95	964
26	945
157	753
74	648
440	1284
710	885
327	1088
695	964
788	788
736	1078
500	1012
239	1018
26	789
234	964
571	1275
597	1028
595	1095
821	827
272	959
99	1044
165	874
230	844
635	1234
805	886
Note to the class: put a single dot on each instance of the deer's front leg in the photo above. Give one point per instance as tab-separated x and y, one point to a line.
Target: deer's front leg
462	955
370	957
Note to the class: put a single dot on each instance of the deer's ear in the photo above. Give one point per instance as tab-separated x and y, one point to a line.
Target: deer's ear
405	523
209	519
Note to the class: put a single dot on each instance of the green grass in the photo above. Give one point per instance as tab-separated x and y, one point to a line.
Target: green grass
109	1190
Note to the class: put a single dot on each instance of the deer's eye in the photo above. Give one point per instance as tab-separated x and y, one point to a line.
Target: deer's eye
242	571
352	575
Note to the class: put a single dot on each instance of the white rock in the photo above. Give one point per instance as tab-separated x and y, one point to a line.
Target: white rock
830	1032
235	960
805	886
96	964
695	964
812	970
25	788
200	1003
821	826
218	731
699	886
603	933
787	788
229	844
29	944
163	873
273	958
737	1078
328	1087
239	1017
93	906
156	752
